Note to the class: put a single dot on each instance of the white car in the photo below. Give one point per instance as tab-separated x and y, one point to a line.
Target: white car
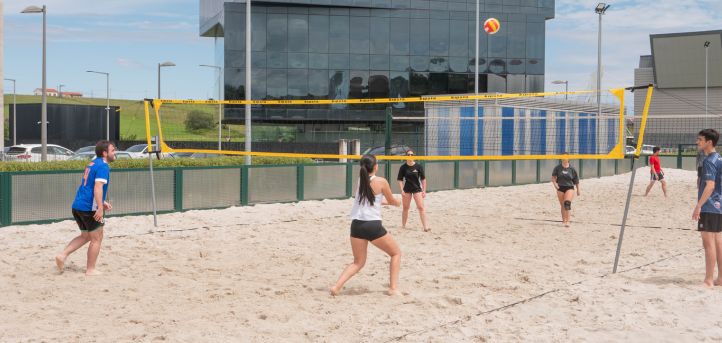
87	156
141	151
33	152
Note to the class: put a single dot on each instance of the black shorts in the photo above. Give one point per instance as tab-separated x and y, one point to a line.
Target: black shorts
564	189
369	230
709	222
86	222
654	177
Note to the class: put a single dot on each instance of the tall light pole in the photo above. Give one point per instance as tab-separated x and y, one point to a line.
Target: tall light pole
107	98
15	110
248	138
161	65
476	83
600	10
44	106
706	80
60	92
566	86
220	106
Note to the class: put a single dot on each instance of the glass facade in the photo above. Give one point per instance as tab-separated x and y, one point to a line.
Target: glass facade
342	49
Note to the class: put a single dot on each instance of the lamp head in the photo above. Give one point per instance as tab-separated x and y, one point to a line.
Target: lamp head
33	9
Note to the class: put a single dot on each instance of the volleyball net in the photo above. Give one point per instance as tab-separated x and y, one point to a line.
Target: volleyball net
546	125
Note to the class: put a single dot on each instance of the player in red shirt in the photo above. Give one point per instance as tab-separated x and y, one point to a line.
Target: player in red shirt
656	173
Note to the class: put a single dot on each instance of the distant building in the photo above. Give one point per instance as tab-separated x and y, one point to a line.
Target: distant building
54	92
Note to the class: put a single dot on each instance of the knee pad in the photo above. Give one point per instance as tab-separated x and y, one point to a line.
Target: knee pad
568	205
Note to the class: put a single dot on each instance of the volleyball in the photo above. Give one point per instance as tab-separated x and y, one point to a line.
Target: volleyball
492	26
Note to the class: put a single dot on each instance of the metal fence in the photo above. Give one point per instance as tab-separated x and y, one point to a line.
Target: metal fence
41	197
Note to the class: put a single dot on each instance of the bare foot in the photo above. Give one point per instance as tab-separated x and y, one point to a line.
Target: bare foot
391	292
708	284
427	229
567	224
334	291
60	262
93	272
718	282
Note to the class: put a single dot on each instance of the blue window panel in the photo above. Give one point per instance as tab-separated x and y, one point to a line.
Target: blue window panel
521	149
466	132
507	131
593	130
561	139
583	134
539	133
444	132
611	134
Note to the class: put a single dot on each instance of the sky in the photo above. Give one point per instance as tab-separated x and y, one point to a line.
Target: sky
129	38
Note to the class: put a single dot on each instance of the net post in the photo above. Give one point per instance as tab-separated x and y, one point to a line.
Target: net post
679	156
387	141
151	150
538	171
616	167
581	169
599	168
513	172
486	173
342	149
299	182
624	218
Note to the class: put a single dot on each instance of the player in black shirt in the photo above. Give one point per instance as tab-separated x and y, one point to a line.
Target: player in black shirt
412	182
565	179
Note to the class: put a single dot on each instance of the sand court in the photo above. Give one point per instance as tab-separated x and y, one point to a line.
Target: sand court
497	266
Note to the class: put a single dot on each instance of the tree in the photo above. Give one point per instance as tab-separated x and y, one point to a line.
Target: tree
199	120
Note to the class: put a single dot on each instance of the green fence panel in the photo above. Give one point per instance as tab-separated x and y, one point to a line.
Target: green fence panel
689	163
211	188
324	181
130	191
471	174
439	175
607	167
5	199
393	175
589	169
526	172
546	168
500	173
668	161
272	184
42	197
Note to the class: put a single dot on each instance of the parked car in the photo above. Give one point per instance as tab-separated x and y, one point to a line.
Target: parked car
396	150
87	156
193	155
647	149
89	148
629	150
32	153
141	151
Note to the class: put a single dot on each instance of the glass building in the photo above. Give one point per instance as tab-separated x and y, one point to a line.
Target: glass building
337	49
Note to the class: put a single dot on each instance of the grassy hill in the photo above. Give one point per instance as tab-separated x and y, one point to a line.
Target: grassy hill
132	118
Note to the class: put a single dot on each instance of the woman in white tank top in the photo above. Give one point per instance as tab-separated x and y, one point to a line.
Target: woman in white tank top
366	224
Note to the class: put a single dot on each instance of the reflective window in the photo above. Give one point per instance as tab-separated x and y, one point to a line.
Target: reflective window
399	36
358	87
359	62
534	66
378	85
318	84
534	83
359	35
379	35
277	32
458	38
418	84
298	83
516	66
496	83
318	61
420	63
439	38
258	89
318	30
458	83
380	62
258	32
483	40
339	34
515	83
258	59
419	36
497	66
399	63
338	61
439	64
439	83
459	64
297	33
338	85
298	60
497	43
277	60
276	83
534	40
399	84
516	43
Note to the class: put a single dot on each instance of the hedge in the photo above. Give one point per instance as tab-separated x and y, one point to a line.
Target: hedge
143	163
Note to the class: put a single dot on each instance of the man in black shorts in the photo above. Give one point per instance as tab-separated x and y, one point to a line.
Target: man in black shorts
89	207
708	211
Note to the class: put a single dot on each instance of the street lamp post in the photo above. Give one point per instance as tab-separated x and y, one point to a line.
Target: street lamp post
476	83
706	80
248	138
566	86
161	65
107	104
60	92
600	10
15	110
44	106
220	106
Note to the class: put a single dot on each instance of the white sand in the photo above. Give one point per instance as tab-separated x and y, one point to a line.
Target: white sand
262	273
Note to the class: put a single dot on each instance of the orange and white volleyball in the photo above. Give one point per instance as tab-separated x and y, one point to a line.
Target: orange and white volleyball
492	26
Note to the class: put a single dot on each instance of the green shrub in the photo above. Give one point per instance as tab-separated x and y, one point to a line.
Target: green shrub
143	163
198	121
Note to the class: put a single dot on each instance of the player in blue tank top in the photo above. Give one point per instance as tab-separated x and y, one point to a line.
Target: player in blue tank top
89	207
708	211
